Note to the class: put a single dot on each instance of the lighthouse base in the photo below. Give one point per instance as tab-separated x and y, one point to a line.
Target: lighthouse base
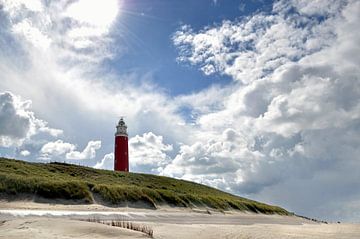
121	159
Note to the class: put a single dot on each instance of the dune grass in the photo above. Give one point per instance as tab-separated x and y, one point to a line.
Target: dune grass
83	184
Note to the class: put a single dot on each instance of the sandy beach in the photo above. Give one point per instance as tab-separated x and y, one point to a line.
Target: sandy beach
27	220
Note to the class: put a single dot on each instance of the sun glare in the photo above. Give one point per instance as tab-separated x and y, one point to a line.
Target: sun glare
96	13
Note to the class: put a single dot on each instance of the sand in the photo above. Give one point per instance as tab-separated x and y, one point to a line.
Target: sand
50	228
257	231
65	228
176	223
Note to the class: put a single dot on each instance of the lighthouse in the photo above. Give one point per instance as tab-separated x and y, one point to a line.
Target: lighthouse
121	162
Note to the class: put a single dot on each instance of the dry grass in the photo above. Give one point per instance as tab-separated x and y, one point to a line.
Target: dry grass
124	224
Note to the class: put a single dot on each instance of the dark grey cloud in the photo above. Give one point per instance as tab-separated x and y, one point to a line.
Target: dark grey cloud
18	122
13	124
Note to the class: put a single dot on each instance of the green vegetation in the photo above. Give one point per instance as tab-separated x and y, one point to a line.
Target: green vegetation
83	184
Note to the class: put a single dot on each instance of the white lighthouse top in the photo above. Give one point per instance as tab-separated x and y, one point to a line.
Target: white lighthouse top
121	128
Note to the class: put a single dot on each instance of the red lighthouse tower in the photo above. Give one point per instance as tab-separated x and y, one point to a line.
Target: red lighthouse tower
121	162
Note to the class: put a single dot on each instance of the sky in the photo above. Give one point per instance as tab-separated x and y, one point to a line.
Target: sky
258	98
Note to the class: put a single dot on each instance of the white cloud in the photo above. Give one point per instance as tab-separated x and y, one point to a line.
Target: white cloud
107	162
25	153
77	31
88	153
253	47
313	8
148	151
32	34
13	6
313	103
297	104
53	132
56	148
59	148
224	154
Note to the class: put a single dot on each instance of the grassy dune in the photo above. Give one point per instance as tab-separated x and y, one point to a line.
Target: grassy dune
83	184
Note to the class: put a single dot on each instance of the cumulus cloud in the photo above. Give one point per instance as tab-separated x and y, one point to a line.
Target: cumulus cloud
148	152
25	153
107	162
219	162
88	153
59	148
296	102
18	122
56	148
253	47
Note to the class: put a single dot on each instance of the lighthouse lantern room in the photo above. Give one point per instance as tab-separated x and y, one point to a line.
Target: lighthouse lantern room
121	161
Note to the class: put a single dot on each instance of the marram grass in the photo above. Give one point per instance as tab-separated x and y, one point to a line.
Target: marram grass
80	184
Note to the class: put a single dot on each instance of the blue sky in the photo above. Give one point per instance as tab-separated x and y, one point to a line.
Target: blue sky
149	26
257	98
